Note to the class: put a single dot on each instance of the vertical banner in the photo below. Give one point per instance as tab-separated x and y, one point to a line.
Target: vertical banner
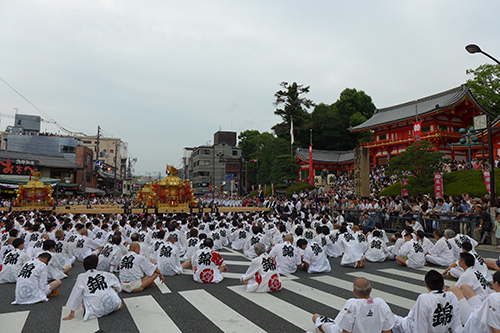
487	180
404	190
253	188
311	170
260	187
265	190
272	189
417	130
438	185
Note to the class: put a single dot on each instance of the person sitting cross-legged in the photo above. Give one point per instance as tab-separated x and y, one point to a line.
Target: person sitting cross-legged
411	254
485	318
133	266
359	315
31	284
96	291
208	264
437	311
262	274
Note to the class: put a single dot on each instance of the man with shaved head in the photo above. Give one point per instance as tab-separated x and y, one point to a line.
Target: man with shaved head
287	256
359	315
133	266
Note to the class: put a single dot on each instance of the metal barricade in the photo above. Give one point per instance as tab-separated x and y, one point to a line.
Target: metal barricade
464	224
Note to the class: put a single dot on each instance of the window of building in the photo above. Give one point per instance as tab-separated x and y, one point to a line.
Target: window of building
382	137
235	153
68	150
206	151
443	128
426	129
456	129
204	162
87	142
111	151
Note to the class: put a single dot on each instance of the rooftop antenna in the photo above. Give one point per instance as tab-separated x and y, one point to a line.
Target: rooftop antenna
220	128
16	109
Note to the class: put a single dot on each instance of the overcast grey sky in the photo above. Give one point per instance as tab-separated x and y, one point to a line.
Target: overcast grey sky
163	75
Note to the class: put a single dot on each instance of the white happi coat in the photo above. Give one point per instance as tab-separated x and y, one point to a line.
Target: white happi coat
479	264
64	252
350	247
12	263
31	284
191	247
169	262
377	250
360	315
332	246
394	249
35	248
111	255
287	257
55	268
457	242
263	275
206	263
84	247
133	266
476	281
94	289
361	238
484	317
155	248
426	243
252	239
180	240
100	237
435	312
240	237
315	256
413	251
442	253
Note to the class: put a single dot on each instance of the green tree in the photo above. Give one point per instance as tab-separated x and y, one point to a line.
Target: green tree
290	103
260	151
285	168
331	123
486	86
419	163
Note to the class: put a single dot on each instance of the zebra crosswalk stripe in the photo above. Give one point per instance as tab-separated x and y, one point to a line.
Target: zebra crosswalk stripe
237	262
149	316
316	295
405	273
283	309
77	325
13	322
393	283
347	285
220	314
163	288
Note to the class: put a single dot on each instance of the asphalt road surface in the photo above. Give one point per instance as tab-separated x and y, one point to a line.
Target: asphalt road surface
182	305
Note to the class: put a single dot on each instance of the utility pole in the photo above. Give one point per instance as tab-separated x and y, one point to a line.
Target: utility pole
94	167
116	155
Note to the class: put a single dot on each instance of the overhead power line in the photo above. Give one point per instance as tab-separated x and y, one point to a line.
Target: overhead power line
60	126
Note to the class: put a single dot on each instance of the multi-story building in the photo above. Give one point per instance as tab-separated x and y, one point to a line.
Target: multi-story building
216	167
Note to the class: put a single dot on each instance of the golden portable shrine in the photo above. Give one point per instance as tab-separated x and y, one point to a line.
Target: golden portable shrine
171	191
34	193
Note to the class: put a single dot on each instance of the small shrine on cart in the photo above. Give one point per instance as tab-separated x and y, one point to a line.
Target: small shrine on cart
171	191
34	193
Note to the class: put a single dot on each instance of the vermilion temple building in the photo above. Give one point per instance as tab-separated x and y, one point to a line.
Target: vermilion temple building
441	115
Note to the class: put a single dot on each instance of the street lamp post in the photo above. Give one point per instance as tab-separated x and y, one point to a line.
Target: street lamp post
472	48
466	140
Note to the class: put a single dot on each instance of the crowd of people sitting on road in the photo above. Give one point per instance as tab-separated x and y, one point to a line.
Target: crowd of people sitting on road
129	253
